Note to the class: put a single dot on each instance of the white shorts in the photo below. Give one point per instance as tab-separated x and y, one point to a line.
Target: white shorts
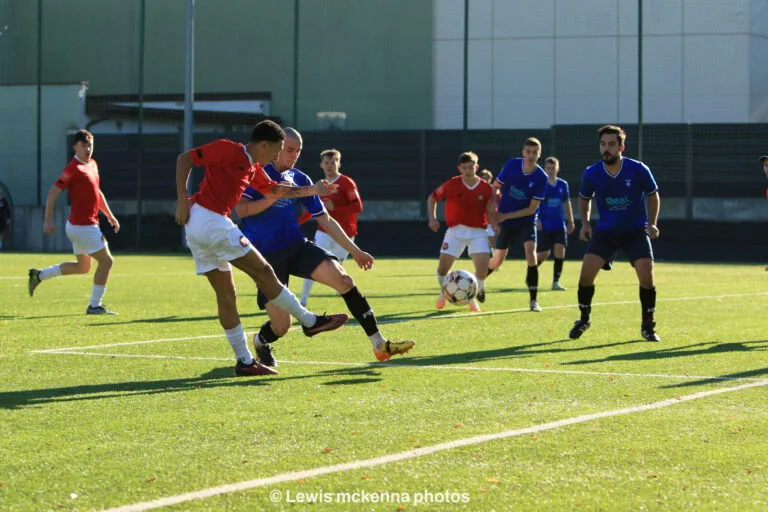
86	239
324	241
490	232
459	237
214	240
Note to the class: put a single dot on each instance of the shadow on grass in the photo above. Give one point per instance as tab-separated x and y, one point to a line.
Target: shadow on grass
171	319
731	376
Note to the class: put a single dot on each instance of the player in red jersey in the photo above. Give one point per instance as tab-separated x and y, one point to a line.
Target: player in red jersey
81	179
343	206
469	206
215	241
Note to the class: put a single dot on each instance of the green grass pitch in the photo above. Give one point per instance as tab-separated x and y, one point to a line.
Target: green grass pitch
92	420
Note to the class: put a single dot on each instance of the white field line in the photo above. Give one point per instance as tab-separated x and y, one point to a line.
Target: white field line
417	452
417	366
414	319
191	273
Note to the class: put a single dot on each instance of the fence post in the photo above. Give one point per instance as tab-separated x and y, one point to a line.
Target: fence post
423	175
688	172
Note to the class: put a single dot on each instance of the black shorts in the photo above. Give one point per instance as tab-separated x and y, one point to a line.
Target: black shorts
299	259
635	244
515	234
545	240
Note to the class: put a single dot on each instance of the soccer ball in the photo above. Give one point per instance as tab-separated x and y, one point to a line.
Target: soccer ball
459	287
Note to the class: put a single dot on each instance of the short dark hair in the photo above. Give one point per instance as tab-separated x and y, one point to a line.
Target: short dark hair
83	136
467	157
329	153
268	131
532	141
486	175
552	160
611	129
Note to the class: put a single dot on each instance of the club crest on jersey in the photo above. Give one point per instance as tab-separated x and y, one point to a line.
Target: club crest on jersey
628	182
481	197
530	184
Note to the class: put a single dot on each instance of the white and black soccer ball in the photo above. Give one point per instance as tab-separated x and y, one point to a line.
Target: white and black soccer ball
459	287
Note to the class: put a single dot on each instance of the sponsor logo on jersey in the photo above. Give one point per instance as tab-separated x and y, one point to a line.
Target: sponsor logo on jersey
617	201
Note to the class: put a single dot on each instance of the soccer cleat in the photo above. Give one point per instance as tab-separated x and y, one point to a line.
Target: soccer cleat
264	353
325	323
608	265
391	348
579	326
474	306
480	296
98	310
648	331
558	287
34	280
440	304
255	368
535	306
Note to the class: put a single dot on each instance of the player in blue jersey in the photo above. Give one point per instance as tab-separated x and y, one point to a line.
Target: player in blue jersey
273	228
555	221
522	185
621	187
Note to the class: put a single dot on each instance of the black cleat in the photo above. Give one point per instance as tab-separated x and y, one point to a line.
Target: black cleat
608	265
264	353
34	280
325	323
579	326
480	296
98	310
648	332
255	368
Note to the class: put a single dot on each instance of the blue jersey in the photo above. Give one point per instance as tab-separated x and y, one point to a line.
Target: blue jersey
551	209
621	198
519	188
278	226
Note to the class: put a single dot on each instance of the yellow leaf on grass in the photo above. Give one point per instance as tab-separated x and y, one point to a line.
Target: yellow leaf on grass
152	479
457	425
493	480
327	450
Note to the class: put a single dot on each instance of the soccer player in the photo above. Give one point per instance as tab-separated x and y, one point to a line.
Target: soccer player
555	220
343	206
469	205
487	176
81	178
5	216
270	224
620	186
522	184
215	241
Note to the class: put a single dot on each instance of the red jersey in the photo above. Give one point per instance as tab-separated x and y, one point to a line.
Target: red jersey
346	205
82	181
464	205
229	170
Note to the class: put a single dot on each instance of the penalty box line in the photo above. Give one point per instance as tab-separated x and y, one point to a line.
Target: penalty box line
417	452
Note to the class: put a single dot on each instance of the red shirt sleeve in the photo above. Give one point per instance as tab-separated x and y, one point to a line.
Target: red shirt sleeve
349	189
65	179
213	153
439	193
261	181
304	217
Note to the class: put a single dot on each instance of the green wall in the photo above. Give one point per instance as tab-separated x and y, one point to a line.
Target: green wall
369	58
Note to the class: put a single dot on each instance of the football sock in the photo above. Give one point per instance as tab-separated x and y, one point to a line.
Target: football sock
287	301
305	289
440	279
648	303
490	271
585	295
558	269
532	280
236	338
266	335
97	294
361	310
48	273
481	284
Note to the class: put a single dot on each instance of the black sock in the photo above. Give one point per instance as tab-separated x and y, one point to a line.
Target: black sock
585	301
558	268
358	306
490	271
648	303
532	280
266	334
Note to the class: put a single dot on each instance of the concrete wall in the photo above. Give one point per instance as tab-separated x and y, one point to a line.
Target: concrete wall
536	63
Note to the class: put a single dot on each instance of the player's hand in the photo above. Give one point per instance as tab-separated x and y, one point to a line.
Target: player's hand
323	188
363	260
496	228
570	226
49	227
434	225
182	212
586	231
653	231
113	222
328	204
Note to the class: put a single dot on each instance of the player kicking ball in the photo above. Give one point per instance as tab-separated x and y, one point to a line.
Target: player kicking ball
270	223
469	205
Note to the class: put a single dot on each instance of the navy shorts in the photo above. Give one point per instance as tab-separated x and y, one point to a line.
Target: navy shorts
635	244
515	234
545	240
299	259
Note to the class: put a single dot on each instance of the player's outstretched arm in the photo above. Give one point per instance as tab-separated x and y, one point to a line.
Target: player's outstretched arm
50	208
329	224
321	188
247	207
183	168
